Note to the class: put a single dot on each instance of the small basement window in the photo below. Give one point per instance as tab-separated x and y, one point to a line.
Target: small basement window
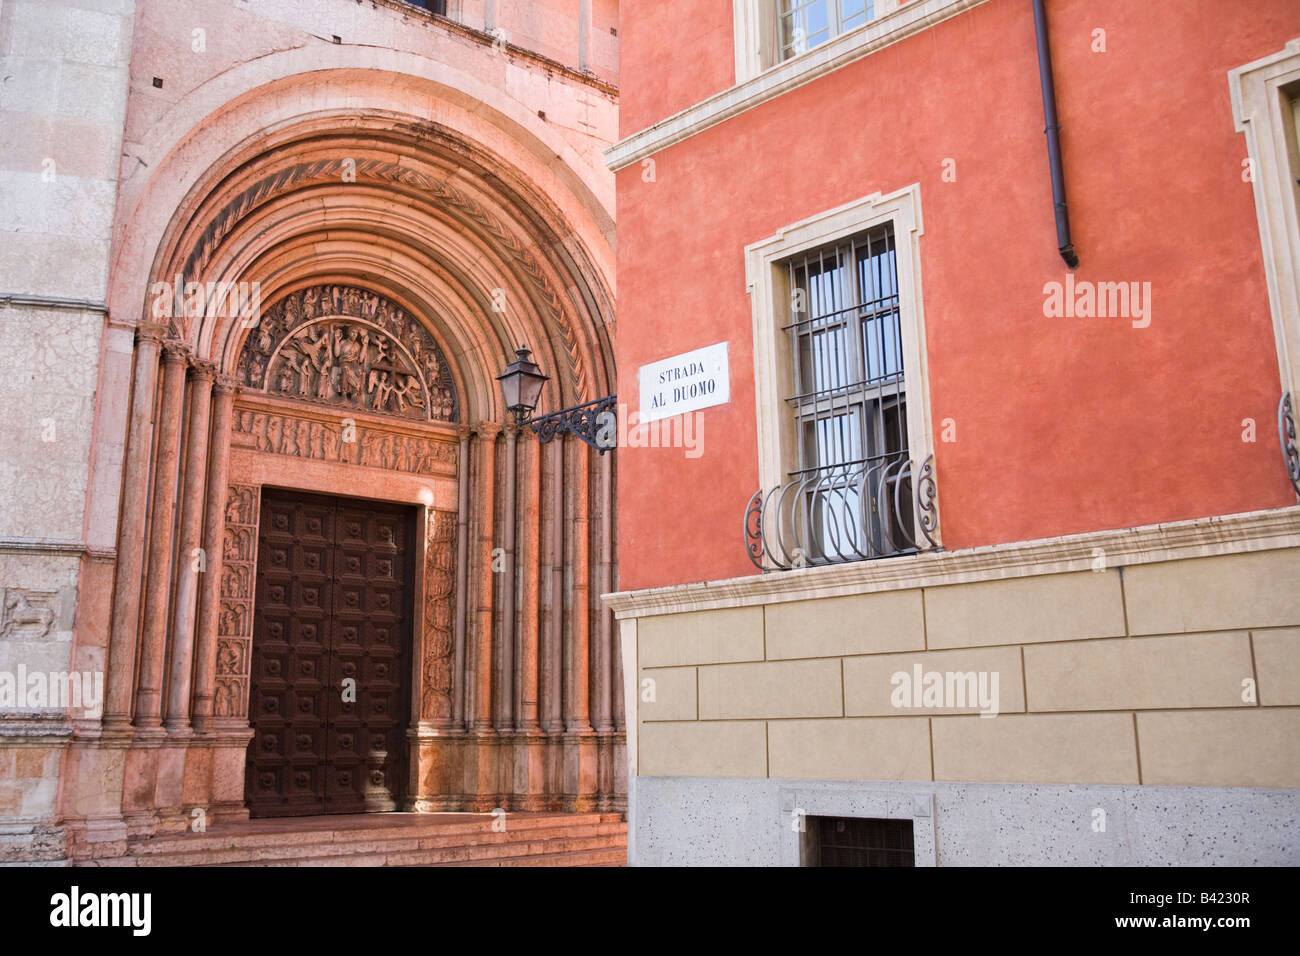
857	841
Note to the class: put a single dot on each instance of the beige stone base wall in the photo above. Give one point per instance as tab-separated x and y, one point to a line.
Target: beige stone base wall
1173	672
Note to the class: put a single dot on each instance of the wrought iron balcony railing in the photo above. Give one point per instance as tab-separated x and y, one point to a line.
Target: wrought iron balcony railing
1286	435
872	508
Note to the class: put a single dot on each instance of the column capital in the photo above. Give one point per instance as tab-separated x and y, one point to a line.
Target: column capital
464	432
226	383
176	352
152	332
203	371
487	430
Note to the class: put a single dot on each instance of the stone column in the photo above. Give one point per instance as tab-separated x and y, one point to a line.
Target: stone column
581	755
148	695
577	693
484	504
527	548
506	669
214	520
552	643
124	631
603	706
462	580
193	561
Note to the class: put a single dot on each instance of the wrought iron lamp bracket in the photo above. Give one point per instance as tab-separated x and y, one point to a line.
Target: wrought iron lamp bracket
595	422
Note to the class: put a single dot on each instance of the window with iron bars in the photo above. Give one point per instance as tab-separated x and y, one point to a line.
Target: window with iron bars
804	24
853	480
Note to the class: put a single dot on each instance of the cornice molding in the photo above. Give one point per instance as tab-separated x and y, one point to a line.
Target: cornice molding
906	21
52	302
54	546
489	39
1174	541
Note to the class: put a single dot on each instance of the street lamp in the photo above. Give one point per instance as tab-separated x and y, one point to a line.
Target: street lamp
594	422
522	384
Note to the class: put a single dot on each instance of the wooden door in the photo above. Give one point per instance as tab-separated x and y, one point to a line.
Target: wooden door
329	695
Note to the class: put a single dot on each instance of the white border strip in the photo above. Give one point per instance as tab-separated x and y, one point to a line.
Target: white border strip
1175	541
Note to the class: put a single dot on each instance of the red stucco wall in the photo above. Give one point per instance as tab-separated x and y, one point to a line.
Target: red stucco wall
1063	424
681	52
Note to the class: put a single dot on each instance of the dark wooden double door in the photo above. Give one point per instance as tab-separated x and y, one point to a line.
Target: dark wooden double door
329	695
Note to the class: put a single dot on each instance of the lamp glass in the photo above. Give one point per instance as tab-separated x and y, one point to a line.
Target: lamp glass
521	385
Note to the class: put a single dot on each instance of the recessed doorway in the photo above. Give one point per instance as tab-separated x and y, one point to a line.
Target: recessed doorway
329	695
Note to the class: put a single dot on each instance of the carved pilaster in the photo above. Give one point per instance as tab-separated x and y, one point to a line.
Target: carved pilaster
436	669
235	619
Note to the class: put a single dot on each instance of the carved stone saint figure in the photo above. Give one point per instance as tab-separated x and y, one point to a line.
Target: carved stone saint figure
317	360
350	352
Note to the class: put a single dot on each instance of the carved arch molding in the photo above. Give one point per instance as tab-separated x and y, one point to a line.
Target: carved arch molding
396	174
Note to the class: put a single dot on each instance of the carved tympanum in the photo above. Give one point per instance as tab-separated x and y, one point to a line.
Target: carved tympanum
343	346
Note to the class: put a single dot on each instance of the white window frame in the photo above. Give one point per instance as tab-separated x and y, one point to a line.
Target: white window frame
768	285
757	41
1263	98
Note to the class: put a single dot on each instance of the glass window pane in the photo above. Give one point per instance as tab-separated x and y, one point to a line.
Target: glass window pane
854	13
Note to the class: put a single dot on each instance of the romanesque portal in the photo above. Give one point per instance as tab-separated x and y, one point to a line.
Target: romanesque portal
346	582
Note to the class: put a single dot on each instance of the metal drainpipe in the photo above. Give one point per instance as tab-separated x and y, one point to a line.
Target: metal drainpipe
1053	132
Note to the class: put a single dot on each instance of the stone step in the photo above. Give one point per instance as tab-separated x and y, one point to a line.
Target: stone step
283	831
615	856
612	848
349	850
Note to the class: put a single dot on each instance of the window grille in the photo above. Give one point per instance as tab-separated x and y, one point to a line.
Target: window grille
852	491
856	841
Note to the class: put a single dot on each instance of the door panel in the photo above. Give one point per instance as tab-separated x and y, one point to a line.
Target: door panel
333	604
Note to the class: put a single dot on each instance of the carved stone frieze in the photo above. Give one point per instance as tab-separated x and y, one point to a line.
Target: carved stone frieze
346	442
346	347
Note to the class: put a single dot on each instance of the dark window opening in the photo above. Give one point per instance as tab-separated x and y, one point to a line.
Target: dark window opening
433	6
857	841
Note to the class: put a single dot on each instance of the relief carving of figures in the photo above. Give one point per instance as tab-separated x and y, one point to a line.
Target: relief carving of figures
229	691
439	613
344	346
230	659
322	441
241	505
234	620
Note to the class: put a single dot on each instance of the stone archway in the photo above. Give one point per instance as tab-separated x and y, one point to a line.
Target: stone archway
343	380
387	301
